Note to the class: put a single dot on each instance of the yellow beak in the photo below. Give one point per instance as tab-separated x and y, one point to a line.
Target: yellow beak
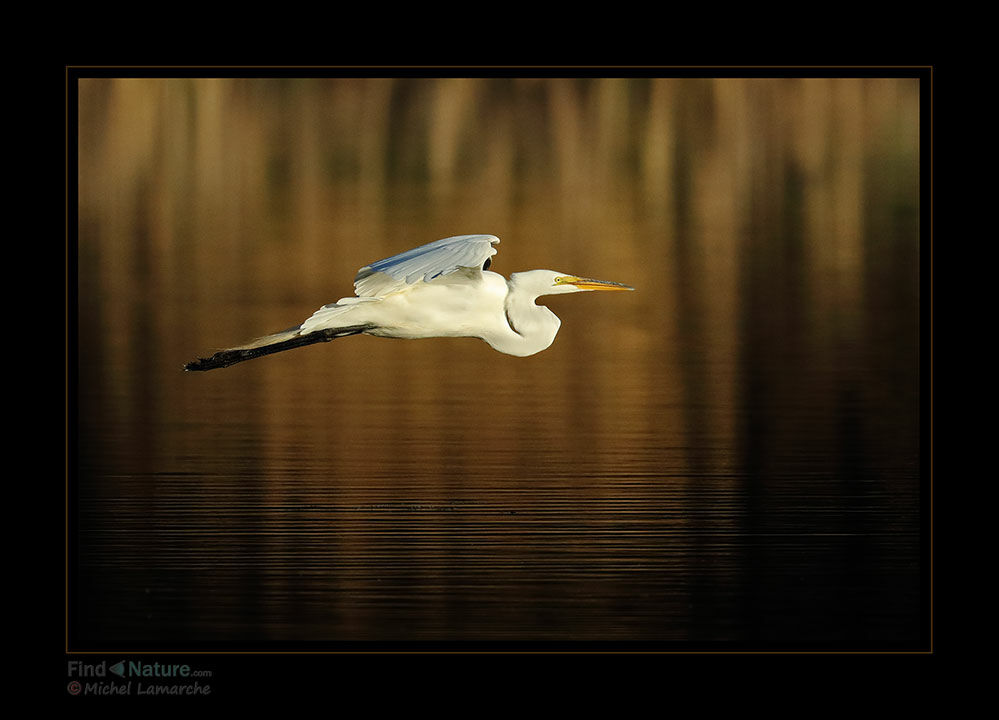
591	284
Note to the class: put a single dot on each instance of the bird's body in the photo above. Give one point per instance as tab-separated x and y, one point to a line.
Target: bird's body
437	290
449	306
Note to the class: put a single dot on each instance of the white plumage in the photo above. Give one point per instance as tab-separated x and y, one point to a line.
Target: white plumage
440	289
425	263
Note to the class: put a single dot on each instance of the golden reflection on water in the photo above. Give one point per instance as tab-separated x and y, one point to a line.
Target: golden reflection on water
735	441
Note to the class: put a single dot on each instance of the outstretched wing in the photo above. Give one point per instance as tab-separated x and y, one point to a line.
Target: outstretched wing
424	263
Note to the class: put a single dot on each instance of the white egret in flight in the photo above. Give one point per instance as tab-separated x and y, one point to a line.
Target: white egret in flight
441	289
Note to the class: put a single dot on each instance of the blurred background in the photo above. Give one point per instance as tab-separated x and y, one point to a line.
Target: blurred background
728	457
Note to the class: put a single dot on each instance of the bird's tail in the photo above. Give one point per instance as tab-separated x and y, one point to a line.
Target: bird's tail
278	342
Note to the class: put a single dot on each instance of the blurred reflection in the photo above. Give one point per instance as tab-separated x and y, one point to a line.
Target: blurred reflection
729	454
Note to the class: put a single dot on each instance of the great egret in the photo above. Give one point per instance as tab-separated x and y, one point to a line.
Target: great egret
441	289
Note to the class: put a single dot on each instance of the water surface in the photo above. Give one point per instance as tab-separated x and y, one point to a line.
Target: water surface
728	457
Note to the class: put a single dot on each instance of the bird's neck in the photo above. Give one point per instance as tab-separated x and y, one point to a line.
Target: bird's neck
534	326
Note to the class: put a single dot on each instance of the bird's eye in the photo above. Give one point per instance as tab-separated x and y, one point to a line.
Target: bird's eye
558	280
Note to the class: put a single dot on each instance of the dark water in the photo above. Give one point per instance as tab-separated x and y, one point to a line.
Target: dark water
728	457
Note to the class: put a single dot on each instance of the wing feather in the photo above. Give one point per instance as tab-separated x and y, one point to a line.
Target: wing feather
424	263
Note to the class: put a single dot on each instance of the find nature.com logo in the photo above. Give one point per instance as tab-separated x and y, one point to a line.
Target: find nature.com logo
136	677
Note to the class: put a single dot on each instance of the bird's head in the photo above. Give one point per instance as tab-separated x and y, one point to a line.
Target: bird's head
550	282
